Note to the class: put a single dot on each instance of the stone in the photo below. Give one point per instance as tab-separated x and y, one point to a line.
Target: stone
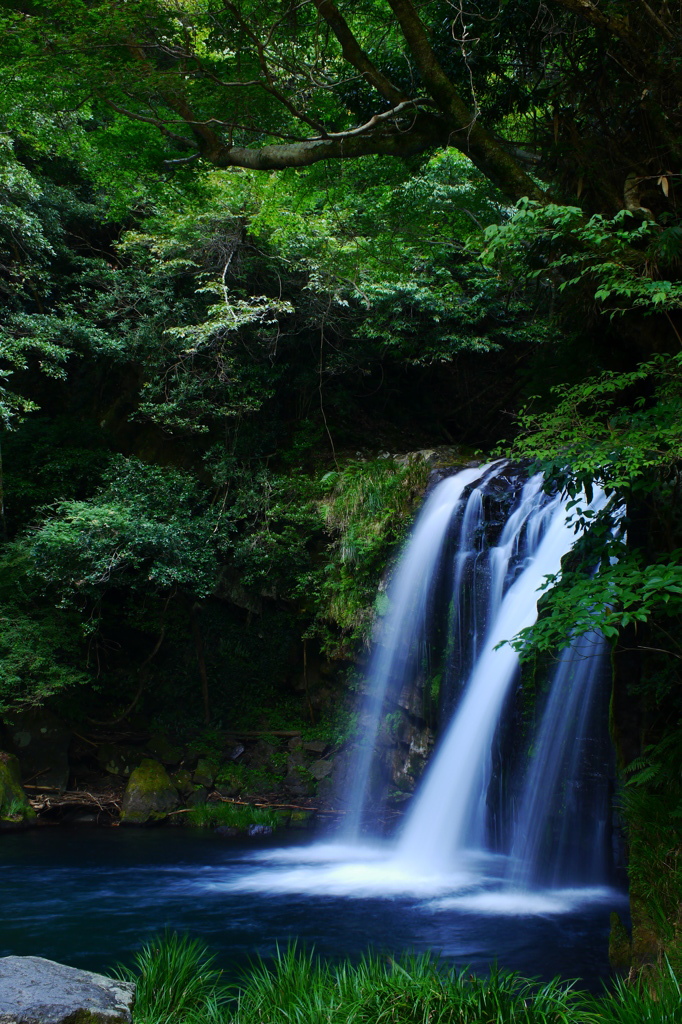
620	946
41	742
259	830
301	819
316	747
299	783
14	805
261	755
228	831
198	797
182	780
320	769
38	991
150	795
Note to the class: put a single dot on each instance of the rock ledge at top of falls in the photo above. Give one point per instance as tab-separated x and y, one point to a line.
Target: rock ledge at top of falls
38	991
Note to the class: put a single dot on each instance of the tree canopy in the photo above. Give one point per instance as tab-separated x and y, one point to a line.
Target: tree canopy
573	97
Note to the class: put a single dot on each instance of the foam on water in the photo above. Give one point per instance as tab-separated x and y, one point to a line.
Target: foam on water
474	884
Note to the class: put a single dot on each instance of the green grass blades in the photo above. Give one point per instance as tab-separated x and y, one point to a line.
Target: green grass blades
210	815
298	988
175	979
653	999
178	984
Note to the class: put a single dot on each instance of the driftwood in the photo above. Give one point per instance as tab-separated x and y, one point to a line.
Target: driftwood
260	804
282	807
106	802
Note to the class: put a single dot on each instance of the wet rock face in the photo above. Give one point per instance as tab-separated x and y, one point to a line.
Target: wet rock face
14	806
38	991
149	797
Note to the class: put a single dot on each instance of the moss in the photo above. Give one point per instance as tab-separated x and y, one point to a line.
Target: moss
149	796
92	1017
14	805
620	947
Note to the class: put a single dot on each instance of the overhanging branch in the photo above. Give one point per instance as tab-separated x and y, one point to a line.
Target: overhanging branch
304	154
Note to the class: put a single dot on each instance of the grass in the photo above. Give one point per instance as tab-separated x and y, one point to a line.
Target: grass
178	984
14	810
175	980
212	814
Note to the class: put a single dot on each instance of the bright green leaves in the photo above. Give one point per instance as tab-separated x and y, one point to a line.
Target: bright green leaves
620	430
147	529
623	594
621	262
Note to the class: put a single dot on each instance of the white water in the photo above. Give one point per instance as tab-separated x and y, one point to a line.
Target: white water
448	815
549	845
402	628
439	855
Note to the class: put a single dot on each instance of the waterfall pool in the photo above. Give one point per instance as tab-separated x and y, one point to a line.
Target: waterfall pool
90	897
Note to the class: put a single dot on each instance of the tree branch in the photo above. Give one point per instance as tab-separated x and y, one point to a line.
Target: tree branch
378	118
179	140
303	154
589	12
466	134
355	55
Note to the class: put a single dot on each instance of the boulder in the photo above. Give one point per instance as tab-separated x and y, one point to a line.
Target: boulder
41	742
298	783
14	805
182	780
318	747
228	831
150	795
259	830
320	769
301	819
38	991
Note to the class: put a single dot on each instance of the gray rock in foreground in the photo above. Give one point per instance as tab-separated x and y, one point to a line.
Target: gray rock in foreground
38	991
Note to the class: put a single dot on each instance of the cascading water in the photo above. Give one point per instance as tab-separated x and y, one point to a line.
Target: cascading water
560	834
449	813
397	649
463	587
467	581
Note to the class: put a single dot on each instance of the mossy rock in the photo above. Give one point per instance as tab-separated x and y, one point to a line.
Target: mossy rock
163	750
14	805
646	943
301	819
620	946
150	795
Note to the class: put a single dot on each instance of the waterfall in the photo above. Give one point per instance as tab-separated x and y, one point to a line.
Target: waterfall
449	813
560	835
397	648
466	583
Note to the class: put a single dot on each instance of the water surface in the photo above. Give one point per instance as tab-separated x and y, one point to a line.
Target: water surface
90	897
